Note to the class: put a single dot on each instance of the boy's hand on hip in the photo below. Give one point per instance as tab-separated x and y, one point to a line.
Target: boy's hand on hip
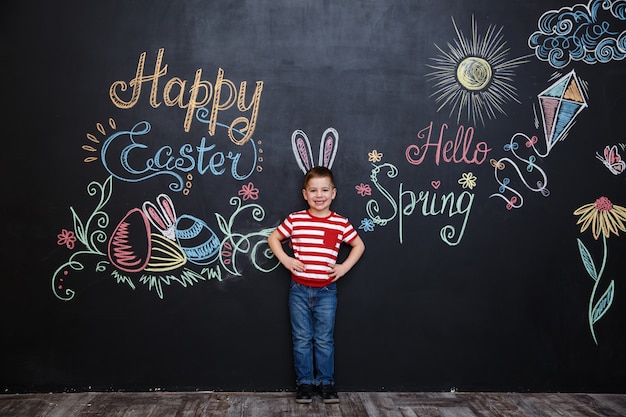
337	271
294	265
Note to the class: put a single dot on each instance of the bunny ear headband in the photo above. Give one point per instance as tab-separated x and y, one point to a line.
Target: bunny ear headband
302	149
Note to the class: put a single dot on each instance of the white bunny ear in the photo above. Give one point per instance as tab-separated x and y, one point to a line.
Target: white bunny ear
302	150
163	217
328	147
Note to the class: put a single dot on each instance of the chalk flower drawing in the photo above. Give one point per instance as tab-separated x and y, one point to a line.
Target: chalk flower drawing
67	238
248	192
363	189
605	218
367	225
468	180
374	156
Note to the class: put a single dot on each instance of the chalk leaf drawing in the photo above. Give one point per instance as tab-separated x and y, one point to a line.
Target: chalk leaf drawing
605	218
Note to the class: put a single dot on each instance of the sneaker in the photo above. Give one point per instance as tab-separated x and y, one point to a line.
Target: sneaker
304	394
329	394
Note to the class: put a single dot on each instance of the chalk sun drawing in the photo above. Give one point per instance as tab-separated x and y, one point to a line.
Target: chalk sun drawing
474	77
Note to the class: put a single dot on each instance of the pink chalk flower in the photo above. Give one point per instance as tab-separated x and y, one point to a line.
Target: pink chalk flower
363	189
67	238
248	192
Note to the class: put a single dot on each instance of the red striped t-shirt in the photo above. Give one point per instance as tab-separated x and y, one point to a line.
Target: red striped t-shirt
316	242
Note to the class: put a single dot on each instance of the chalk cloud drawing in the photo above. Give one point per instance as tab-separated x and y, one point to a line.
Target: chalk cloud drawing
474	76
584	33
605	218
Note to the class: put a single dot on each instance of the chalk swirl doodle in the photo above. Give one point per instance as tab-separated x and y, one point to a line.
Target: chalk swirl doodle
254	244
581	33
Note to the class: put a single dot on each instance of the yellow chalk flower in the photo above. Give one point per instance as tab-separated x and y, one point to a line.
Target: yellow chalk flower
603	216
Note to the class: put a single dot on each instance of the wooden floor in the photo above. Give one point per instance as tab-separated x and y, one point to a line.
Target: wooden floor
353	404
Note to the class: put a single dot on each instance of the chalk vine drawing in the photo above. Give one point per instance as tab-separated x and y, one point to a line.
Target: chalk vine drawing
612	159
560	104
605	218
584	33
474	76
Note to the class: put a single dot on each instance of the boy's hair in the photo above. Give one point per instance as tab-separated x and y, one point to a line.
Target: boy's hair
318	172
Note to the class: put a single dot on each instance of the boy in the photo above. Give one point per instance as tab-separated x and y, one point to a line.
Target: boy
316	235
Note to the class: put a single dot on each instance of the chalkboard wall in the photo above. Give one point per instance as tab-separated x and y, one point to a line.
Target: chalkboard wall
149	148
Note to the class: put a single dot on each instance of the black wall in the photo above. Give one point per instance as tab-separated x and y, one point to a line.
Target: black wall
455	291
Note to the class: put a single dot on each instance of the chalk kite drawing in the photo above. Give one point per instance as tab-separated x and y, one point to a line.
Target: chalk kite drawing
474	77
605	218
560	103
586	33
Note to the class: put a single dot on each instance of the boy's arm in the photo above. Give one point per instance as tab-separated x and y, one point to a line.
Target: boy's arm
339	270
275	243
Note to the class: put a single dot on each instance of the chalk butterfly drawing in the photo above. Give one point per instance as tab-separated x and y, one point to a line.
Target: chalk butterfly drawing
612	160
302	149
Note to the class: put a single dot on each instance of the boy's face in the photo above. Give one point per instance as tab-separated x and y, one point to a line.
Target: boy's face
319	193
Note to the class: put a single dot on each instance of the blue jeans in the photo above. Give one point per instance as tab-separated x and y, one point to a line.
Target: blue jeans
312	312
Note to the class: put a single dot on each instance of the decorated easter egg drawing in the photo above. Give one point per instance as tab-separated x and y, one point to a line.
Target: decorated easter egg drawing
130	243
197	240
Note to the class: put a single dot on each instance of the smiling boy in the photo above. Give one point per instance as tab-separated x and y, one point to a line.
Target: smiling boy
316	235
